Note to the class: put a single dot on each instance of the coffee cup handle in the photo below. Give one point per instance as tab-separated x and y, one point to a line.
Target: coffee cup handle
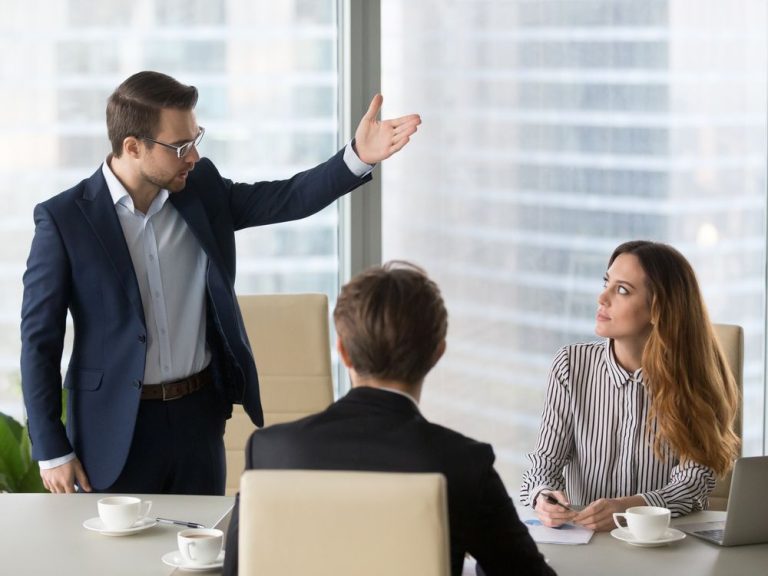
190	548
146	506
616	516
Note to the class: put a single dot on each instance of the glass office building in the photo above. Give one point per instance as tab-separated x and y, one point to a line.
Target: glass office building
553	131
267	76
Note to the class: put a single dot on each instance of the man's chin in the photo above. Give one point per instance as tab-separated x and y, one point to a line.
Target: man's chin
176	185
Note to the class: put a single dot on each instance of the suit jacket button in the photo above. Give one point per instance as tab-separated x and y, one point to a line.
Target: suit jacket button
142	338
137	383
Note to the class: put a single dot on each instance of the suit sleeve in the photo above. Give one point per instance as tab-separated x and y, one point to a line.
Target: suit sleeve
302	195
43	324
501	543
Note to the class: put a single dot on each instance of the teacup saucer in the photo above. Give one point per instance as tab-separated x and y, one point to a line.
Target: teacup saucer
97	525
670	535
174	559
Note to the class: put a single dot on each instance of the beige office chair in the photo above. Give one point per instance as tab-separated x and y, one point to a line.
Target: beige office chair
731	338
329	523
291	345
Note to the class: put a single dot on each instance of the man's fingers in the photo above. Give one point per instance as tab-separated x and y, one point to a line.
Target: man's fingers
82	478
408	120
374	107
406	133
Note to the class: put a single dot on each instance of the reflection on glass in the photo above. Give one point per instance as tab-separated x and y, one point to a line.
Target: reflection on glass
267	77
553	131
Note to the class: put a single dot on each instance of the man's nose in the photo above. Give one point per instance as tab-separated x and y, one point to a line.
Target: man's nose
192	156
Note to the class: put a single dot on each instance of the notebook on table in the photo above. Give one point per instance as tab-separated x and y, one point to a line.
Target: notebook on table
746	521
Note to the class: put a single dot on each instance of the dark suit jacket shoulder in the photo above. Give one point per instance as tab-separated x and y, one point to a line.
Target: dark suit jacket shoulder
378	430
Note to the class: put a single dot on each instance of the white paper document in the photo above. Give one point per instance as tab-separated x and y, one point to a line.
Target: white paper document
566	534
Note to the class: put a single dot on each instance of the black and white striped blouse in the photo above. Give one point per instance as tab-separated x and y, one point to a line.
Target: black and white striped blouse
595	440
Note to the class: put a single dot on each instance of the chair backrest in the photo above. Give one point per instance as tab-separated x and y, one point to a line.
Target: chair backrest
334	523
291	345
731	339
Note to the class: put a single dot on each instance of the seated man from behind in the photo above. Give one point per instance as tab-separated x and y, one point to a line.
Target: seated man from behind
391	324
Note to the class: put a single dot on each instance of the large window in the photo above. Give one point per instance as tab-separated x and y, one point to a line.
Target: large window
267	75
553	131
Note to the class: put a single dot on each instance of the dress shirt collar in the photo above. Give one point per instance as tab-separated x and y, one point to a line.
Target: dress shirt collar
120	194
619	376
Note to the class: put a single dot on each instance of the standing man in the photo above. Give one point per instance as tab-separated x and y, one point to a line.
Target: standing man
142	255
392	323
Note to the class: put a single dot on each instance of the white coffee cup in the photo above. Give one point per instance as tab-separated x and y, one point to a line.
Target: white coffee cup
121	512
646	523
200	546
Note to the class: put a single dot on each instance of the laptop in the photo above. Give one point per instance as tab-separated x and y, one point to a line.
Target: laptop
746	521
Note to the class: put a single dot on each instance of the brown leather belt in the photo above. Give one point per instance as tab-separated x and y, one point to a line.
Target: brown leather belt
176	389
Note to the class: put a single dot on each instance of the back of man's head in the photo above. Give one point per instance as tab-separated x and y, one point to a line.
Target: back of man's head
392	322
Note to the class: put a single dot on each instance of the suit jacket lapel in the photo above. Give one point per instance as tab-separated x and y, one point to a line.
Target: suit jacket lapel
98	209
191	209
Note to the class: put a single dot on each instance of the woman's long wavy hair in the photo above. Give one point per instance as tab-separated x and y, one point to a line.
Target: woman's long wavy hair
694	397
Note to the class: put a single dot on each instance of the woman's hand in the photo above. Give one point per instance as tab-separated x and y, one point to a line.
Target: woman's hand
553	515
598	516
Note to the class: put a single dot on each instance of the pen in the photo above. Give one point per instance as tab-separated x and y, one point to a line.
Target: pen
552	500
179	523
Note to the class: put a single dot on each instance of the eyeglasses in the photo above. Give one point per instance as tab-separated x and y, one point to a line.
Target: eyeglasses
183	149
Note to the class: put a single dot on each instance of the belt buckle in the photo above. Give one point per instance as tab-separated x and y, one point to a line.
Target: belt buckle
165	397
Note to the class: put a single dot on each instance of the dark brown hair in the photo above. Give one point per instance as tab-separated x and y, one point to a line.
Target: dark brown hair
392	321
134	107
693	394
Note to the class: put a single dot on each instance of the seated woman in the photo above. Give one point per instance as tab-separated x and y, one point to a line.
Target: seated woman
643	417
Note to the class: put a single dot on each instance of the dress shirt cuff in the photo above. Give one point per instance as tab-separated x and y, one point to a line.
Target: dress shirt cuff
56	462
533	494
353	162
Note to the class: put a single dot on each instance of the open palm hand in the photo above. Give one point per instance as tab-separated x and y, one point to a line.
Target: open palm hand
377	140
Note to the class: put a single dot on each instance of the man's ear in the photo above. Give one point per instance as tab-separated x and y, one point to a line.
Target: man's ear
439	351
132	146
343	352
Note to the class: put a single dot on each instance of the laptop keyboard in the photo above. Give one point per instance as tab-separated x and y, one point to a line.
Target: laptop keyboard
714	534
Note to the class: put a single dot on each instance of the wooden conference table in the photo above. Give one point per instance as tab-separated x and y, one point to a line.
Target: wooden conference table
42	534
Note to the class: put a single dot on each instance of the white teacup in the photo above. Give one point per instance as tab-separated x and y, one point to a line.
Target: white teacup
646	523
121	512
200	546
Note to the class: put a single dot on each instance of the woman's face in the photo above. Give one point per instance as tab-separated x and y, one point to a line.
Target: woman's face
623	307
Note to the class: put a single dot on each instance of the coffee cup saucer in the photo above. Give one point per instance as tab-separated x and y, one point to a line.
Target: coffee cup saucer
670	535
95	524
175	559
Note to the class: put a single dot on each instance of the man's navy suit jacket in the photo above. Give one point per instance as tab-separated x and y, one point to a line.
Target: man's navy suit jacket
377	430
79	261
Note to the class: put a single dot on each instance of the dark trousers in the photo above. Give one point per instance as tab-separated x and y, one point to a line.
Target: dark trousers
177	448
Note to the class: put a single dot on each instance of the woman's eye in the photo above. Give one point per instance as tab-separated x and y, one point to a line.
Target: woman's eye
622	290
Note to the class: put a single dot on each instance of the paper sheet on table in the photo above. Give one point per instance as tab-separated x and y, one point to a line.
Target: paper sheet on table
566	534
